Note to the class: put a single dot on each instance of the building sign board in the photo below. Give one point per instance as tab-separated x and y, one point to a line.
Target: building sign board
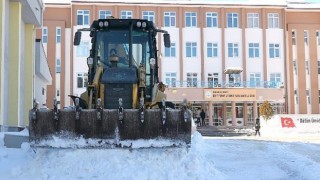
292	124
220	94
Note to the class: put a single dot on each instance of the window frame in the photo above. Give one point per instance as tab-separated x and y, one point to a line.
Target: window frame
85	15
190	19
171	17
234	23
192	79
212	17
170	51
275	78
293	37
58	35
253	22
150	16
273	20
58	65
192	48
105	15
254	50
84	77
171	79
233	50
126	14
306	37
273	50
256	79
213	49
44	34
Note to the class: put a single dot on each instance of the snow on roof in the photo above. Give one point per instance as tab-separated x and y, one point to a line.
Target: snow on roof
294	4
192	2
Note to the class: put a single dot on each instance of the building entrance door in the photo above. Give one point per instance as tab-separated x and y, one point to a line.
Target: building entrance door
229	115
217	115
239	114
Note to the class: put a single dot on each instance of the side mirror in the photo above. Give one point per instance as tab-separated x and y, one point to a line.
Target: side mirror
166	38
77	38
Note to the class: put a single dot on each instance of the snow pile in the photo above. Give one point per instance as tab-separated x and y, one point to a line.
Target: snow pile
150	163
207	158
80	142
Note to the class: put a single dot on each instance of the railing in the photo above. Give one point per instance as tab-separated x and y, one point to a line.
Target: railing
225	84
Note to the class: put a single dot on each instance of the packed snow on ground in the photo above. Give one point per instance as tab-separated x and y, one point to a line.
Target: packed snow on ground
294	156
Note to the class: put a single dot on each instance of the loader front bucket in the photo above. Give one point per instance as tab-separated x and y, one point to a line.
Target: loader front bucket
108	128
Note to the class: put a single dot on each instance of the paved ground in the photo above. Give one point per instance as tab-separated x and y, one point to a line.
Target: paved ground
219	131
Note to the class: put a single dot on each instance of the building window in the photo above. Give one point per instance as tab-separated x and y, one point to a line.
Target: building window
83	49
171	51
191	49
254	50
58	65
275	79
296	96
58	35
232	19
192	79
293	37
213	80
234	80
318	38
104	14
308	96
169	19
212	50
171	79
319	68
191	19
82	80
306	37
126	15
307	67
233	50
273	20
210	80
295	66
216	79
274	51
148	15
44	35
255	79
83	17
253	20
212	19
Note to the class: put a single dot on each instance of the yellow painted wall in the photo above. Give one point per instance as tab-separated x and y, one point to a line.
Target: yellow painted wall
14	62
28	70
2	21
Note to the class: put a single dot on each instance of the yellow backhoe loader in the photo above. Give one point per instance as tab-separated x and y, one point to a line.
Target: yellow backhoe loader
124	99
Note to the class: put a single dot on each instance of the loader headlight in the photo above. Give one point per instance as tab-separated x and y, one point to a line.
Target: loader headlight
106	24
138	24
101	24
144	24
152	62
90	61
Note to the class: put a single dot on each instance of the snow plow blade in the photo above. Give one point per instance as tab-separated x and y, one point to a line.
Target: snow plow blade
108	127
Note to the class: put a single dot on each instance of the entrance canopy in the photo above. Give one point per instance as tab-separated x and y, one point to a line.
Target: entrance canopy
233	70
